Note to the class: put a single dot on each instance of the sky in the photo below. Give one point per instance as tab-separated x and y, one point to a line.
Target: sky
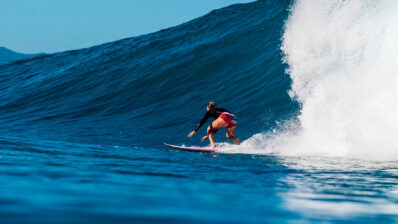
33	26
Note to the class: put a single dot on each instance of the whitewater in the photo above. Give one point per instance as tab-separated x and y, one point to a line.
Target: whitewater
342	58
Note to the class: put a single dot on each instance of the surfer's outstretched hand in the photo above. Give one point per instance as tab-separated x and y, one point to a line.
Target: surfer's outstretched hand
192	133
204	138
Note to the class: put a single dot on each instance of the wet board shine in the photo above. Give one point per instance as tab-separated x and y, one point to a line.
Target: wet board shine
193	148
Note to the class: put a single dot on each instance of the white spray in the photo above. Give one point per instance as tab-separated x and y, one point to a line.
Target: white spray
343	61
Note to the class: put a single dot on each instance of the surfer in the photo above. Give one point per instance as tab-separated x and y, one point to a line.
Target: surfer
222	119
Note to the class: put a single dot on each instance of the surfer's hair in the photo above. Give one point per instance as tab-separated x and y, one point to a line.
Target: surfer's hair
211	104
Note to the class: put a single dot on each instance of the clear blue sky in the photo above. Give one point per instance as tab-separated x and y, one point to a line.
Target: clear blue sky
32	26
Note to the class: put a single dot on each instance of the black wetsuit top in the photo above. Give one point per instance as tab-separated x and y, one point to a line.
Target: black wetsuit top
214	113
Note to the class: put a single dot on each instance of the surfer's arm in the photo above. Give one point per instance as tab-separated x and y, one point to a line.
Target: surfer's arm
204	119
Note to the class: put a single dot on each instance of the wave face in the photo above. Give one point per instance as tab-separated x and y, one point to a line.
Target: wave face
154	88
342	61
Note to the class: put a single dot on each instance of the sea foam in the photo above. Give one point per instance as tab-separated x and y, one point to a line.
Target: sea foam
342	58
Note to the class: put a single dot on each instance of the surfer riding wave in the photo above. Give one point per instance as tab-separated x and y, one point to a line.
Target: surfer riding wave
222	119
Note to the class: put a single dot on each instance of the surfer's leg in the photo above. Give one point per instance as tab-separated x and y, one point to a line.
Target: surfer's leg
209	129
216	125
230	135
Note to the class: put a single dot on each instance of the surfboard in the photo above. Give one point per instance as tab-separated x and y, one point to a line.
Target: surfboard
193	148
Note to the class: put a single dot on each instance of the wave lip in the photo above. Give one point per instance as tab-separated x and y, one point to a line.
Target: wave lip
341	61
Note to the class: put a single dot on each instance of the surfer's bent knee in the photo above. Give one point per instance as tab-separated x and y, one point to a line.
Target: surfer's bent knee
229	135
211	130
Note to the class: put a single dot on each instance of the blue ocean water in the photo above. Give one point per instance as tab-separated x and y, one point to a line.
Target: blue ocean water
82	131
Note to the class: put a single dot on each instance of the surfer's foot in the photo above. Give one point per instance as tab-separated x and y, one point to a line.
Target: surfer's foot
212	146
205	137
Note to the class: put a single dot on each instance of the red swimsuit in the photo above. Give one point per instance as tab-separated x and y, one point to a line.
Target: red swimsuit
229	119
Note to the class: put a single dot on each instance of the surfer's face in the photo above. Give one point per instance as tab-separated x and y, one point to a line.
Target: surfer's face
208	108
